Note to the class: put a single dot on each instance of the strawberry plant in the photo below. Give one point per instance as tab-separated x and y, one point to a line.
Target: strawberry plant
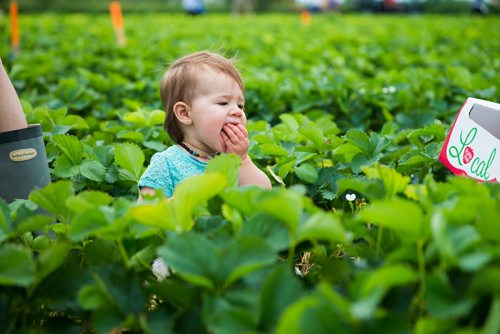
364	230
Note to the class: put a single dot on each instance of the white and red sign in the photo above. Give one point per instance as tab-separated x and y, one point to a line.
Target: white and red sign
473	145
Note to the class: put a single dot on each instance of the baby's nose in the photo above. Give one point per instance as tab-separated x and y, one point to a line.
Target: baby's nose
236	111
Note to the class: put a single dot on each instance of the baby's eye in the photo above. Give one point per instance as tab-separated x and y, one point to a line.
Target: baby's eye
222	103
241	106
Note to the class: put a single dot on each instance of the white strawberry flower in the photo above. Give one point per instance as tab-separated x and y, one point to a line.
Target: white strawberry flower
160	269
350	197
389	90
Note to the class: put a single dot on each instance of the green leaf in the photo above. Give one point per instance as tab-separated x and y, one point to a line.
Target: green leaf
104	154
227	165
289	121
75	121
88	199
40	243
53	197
366	307
70	146
144	257
394	182
136	117
33	223
307	173
267	228
346	152
359	139
90	297
323	311
16	266
192	192
52	258
280	289
321	226
284	205
233	311
5	221
486	281
156	117
192	257
123	290
372	189
93	170
289	322
243	199
245	255
273	150
441	299
131	158
313	132
86	223
474	261
135	136
402	216
487	220
63	167
387	277
157	215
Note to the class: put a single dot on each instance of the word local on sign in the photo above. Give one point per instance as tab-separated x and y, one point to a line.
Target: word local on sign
478	167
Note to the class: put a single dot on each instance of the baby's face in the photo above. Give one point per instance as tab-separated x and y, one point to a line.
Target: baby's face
219	101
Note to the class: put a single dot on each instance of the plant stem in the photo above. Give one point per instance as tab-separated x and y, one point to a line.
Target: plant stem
123	252
416	305
379	240
492	325
421	267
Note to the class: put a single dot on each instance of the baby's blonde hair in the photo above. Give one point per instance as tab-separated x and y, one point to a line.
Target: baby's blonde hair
179	84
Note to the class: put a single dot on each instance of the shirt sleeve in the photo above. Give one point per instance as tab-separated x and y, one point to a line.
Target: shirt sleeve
157	175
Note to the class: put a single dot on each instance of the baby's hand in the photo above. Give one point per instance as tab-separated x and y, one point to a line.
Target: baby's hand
235	139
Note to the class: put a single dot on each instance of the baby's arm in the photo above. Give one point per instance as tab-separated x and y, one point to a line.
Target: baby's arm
235	137
145	191
156	176
11	112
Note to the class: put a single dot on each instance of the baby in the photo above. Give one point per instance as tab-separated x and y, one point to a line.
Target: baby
203	98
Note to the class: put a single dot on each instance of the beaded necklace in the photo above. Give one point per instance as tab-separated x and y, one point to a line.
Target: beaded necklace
196	154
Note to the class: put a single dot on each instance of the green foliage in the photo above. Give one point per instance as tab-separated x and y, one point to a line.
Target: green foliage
364	231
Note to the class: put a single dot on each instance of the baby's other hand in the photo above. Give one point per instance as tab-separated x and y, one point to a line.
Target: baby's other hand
235	139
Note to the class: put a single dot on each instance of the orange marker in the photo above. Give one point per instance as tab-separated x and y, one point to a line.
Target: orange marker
305	17
14	26
117	18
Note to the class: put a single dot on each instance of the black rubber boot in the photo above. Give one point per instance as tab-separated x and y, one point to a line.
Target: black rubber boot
23	163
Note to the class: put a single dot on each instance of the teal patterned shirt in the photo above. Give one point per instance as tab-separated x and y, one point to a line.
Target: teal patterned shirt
168	168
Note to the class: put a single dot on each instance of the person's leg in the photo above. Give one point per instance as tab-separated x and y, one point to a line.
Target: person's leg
23	160
11	113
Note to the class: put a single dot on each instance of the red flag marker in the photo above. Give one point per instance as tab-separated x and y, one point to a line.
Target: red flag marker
14	26
115	11
305	17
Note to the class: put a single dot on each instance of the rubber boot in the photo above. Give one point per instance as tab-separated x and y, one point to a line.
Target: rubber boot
23	163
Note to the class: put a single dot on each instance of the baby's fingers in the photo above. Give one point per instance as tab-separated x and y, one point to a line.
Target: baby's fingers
224	140
234	133
243	130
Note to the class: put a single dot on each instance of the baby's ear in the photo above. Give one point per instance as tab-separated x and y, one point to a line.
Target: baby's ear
183	113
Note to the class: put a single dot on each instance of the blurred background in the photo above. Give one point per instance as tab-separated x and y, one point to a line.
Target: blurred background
251	6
